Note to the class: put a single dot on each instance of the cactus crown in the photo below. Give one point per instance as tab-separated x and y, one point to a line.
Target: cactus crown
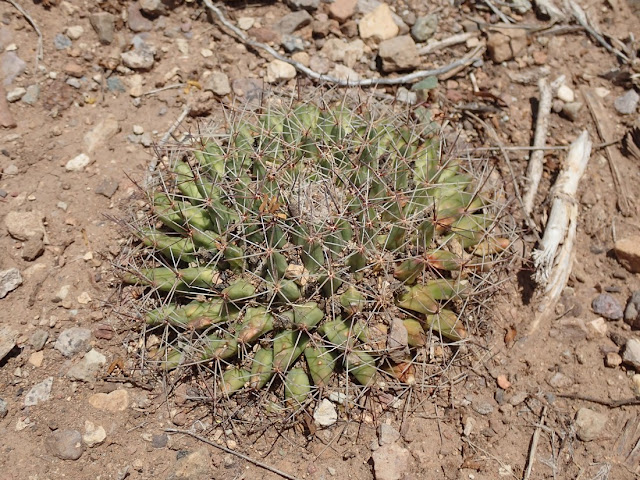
311	249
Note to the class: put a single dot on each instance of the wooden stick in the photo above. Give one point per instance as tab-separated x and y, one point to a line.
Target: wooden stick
447	42
536	160
233	452
552	267
534	444
412	77
605	130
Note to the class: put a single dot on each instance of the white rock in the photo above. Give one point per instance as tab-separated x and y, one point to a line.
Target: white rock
138	129
15	94
206	52
378	24
74	32
9	281
391	462
183	45
636	384
245	23
325	414
78	163
343	72
277	71
94	434
39	393
135	85
565	94
87	368
348	53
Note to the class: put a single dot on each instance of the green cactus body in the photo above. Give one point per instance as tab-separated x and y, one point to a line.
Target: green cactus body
283	252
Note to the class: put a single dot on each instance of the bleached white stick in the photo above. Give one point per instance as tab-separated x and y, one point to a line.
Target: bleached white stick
536	160
553	267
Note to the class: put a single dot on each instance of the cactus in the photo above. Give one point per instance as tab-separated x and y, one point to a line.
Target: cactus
283	252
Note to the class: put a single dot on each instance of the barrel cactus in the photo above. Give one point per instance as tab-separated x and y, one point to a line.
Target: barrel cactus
310	249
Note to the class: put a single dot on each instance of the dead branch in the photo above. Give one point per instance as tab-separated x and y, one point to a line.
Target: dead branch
536	161
447	42
412	77
552	266
534	444
607	403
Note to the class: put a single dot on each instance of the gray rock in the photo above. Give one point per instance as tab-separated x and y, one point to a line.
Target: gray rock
218	83
626	104
292	44
158	7
387	435
39	393
74	82
114	84
38	339
325	414
319	64
61	42
11	66
142	57
632	312
571	110
424	28
293	21
194	466
607	306
136	21
406	96
391	462
631	355
7	340
87	368
304	4
31	95
104	25
65	444
4	408
73	340
398	54
560	380
482	407
9	281
589	424
107	187
159	440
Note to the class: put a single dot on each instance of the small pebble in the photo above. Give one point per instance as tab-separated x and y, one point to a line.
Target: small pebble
612	360
138	130
565	94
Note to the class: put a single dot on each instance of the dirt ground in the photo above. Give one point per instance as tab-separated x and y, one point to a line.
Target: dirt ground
58	232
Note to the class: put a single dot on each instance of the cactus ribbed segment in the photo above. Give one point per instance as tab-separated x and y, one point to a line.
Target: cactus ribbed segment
285	251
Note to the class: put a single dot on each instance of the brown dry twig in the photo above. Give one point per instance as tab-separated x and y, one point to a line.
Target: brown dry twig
233	452
607	403
474	55
39	49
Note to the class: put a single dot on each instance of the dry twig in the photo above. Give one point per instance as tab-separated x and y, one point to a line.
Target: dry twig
554	256
412	77
39	50
580	15
534	444
613	155
607	403
233	452
447	42
536	161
